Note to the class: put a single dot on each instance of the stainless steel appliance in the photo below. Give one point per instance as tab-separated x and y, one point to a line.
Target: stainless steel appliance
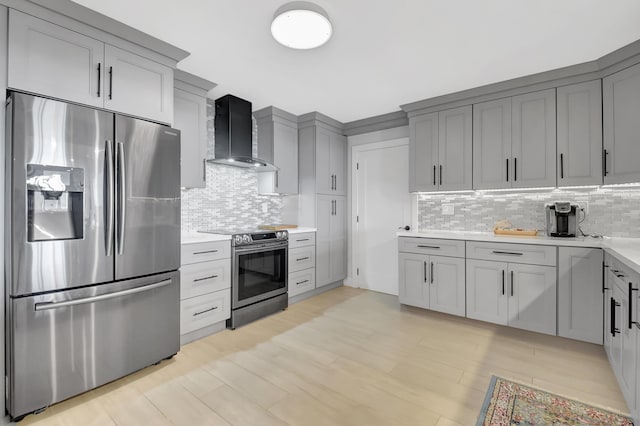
259	274
561	219
93	248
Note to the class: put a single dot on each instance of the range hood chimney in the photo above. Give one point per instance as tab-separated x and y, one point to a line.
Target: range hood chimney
233	132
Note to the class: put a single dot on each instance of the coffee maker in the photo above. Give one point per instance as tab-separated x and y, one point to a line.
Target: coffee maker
561	219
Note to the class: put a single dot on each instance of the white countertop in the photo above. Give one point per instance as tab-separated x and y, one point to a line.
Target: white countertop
300	230
627	250
201	237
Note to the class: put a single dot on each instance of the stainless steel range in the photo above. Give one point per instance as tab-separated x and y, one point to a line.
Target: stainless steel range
259	268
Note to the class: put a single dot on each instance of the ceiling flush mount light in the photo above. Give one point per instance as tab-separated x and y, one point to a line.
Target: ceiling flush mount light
301	25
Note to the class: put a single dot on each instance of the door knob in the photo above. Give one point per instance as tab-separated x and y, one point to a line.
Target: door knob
406	228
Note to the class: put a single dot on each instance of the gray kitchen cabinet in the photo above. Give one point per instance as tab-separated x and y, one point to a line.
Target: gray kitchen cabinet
440	151
579	134
331	246
190	117
423	152
487	291
413	283
623	344
447	285
278	144
492	144
515	142
532	297
50	60
621	112
533	141
137	86
580	294
331	162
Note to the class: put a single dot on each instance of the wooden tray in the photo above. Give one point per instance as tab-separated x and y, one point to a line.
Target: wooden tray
525	232
277	227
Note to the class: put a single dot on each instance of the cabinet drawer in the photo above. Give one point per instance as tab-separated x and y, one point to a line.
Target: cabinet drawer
302	281
302	240
453	248
623	274
514	253
204	252
205	310
302	258
205	277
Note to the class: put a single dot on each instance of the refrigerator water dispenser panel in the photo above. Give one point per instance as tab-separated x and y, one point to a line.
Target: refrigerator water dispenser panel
55	203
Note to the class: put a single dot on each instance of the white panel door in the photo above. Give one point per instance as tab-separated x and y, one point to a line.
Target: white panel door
532	297
50	60
454	149
413	279
137	86
423	152
533	141
492	144
190	117
487	291
580	294
383	205
447	285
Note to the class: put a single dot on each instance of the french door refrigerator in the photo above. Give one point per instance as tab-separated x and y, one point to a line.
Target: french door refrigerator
93	248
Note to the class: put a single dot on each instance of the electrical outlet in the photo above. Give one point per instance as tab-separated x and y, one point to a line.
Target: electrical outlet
447	210
585	207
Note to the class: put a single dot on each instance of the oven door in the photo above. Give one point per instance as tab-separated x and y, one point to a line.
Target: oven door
259	272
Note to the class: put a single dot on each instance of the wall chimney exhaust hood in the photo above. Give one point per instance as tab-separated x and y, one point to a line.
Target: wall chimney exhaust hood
233	141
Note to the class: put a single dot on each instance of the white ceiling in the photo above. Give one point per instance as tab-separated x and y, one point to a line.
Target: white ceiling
383	53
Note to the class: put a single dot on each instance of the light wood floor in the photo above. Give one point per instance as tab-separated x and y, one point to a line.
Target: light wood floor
347	357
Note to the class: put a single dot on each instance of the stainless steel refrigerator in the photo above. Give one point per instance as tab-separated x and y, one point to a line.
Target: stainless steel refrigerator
93	248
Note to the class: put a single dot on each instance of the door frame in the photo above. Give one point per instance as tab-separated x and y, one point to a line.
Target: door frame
356	150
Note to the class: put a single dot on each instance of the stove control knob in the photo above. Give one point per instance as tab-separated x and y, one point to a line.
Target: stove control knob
238	239
278	235
246	239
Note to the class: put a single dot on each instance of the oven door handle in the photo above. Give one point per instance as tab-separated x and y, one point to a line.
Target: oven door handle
249	250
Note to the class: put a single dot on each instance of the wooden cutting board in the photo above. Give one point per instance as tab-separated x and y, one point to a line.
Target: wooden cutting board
277	227
525	232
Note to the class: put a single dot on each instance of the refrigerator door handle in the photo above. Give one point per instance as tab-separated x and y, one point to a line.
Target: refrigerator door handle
110	205
122	193
55	305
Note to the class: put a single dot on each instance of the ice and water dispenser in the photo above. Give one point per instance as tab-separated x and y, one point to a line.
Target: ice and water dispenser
55	202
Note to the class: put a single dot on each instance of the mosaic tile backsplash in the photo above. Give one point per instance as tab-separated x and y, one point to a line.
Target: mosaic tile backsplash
231	196
612	211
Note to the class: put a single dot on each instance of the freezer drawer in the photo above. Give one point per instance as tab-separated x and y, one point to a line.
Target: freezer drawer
65	343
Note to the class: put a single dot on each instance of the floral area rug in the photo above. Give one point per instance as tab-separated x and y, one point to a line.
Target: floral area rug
509	403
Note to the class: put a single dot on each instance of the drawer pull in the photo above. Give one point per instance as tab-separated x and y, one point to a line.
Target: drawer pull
205	278
429	247
303	239
302	282
631	290
302	258
205	252
205	311
512	253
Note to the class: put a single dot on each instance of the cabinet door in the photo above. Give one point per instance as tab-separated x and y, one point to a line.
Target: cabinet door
50	60
413	285
486	291
338	237
608	295
338	158
580	134
137	86
492	144
627	345
621	111
454	149
534	139
285	157
324	209
324	172
423	152
532	298
190	117
580	294
447	285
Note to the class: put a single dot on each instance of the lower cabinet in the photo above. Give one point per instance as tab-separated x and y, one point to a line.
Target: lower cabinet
432	282
331	239
302	263
517	295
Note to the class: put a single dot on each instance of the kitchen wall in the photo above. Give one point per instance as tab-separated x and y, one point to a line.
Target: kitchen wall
231	196
612	211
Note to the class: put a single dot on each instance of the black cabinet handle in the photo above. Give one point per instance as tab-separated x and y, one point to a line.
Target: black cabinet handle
205	278
205	311
302	258
507	170
434	175
512	253
515	169
503	282
425	271
431	272
110	82
511	283
561	166
614	330
604	162
440	174
204	252
99	75
302	282
631	290
431	247
303	239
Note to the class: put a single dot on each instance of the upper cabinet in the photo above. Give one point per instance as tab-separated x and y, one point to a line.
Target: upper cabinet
515	142
190	117
579	152
278	145
440	150
331	162
50	60
621	107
